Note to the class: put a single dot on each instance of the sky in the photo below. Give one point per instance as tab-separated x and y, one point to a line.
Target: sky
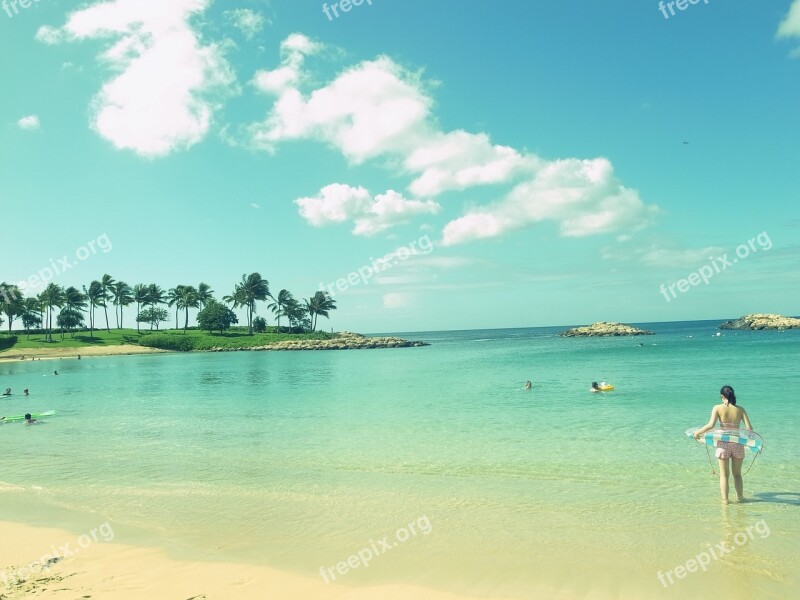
432	165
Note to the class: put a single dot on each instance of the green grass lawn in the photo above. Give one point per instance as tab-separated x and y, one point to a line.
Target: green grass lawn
195	340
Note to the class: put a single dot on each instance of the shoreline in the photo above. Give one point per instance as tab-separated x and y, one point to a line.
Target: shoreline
88	351
343	341
105	568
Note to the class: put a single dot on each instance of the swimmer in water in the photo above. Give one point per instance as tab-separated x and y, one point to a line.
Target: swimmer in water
528	385
29	420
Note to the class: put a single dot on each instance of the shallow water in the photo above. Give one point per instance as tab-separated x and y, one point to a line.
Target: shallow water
299	460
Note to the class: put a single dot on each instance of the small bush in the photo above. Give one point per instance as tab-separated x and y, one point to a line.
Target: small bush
177	343
7	341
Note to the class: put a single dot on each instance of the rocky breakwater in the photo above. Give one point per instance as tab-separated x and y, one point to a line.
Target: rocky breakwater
762	321
343	341
603	329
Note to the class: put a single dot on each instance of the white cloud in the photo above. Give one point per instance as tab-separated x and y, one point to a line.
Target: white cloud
380	110
583	196
459	160
673	257
396	300
339	203
49	35
790	26
29	122
248	21
370	110
169	84
284	79
660	253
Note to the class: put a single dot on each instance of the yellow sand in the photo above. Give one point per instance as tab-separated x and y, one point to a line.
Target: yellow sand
51	353
119	572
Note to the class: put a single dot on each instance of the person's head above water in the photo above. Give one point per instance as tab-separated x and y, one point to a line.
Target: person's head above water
728	393
27	416
595	386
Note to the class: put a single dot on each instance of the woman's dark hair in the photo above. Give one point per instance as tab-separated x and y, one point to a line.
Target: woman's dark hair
729	394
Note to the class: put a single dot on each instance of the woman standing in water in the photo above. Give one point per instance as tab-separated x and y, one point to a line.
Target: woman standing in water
730	416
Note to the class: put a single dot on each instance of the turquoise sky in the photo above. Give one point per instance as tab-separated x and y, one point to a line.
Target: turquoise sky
555	162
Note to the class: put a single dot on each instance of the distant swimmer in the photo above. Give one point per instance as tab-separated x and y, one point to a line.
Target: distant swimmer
25	391
79	356
7	392
528	385
29	420
55	372
601	387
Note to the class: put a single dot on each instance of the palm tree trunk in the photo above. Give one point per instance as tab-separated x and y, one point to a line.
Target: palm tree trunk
186	323
137	318
105	308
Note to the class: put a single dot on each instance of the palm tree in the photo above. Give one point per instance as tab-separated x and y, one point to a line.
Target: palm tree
252	289
105	283
188	299
95	297
277	307
204	294
236	300
53	295
319	304
71	315
173	295
295	311
31	315
140	292
123	296
40	302
12	301
155	296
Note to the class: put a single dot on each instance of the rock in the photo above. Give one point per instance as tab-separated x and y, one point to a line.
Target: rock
762	321
604	329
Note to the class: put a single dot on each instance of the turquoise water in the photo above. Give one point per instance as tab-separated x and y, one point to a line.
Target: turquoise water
297	460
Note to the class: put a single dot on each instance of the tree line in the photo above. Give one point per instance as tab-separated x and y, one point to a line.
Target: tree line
74	306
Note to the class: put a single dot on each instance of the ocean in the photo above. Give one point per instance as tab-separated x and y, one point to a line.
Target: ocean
434	458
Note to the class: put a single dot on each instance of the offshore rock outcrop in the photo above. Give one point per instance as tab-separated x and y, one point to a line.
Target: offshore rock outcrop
604	329
762	321
343	341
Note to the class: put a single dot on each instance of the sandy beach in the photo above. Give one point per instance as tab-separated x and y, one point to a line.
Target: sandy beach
103	570
54	353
